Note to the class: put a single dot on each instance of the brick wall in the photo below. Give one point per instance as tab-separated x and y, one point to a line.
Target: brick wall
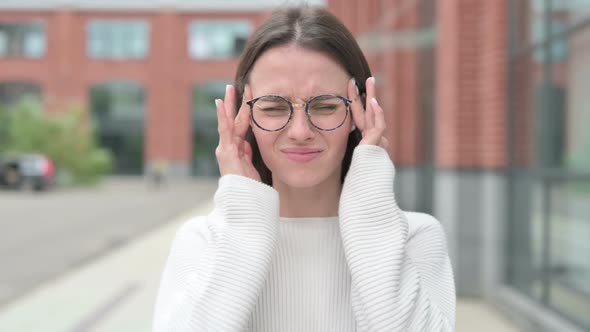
470	61
167	74
471	125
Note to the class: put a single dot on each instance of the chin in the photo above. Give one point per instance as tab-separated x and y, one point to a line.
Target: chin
300	182
302	179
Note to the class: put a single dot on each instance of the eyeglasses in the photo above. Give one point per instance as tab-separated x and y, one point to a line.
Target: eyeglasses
324	112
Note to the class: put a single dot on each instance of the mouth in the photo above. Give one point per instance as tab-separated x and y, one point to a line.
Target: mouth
301	155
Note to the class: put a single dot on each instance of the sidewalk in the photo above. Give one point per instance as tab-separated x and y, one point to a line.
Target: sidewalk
116	293
473	315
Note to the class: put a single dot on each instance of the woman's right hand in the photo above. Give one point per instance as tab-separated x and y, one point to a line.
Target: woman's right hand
234	153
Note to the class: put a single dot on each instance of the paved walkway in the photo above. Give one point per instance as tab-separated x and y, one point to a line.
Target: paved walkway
46	235
117	293
474	315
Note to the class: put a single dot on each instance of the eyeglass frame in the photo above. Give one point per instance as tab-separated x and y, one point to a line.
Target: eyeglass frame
292	105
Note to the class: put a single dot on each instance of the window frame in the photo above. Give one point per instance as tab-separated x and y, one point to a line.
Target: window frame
192	27
29	23
109	25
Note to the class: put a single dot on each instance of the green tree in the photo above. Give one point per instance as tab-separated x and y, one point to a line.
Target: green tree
4	122
68	138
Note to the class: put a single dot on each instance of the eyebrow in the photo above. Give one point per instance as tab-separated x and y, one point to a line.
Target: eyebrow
309	97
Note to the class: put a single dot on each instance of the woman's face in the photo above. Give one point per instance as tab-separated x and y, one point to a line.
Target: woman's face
300	155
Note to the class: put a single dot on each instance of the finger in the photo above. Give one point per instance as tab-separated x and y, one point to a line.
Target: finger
370	114
356	108
373	135
229	101
242	119
379	117
222	128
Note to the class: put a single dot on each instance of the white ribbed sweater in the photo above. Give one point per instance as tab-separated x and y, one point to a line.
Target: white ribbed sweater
373	268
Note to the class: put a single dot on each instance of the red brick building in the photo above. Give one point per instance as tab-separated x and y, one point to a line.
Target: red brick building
66	70
487	119
485	104
445	92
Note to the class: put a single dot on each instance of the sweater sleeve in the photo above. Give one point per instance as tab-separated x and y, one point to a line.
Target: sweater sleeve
217	264
402	278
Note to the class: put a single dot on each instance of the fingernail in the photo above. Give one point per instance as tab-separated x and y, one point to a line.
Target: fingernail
374	101
227	87
217	101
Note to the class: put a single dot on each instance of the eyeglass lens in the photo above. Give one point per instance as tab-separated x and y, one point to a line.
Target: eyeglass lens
325	112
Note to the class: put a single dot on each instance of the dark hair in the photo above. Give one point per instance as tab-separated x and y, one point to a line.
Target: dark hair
308	27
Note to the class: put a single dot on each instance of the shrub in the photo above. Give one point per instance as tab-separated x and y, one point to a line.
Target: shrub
67	137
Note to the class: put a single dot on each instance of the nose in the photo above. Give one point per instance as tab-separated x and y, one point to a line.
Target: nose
299	128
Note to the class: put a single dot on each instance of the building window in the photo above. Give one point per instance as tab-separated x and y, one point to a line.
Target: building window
25	40
13	93
118	112
128	39
204	120
548	147
217	39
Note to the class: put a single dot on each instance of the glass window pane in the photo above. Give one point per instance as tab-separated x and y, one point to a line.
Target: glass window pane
12	93
34	44
217	39
571	12
204	120
3	43
550	223
569	290
22	40
118	112
577	83
118	39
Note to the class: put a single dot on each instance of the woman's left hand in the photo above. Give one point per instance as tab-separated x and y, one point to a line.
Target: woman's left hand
371	122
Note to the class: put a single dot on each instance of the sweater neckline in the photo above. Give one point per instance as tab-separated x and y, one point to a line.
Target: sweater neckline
332	219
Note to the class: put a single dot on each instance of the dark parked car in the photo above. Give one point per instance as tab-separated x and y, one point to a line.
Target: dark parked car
34	170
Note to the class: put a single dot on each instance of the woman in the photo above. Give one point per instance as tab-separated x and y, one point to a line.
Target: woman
305	234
